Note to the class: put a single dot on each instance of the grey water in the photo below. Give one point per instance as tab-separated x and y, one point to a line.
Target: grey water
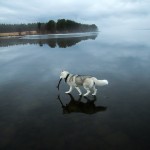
34	115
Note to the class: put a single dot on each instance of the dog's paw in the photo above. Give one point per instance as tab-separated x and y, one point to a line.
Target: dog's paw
94	94
85	95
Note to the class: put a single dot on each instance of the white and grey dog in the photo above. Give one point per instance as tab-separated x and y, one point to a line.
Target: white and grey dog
75	81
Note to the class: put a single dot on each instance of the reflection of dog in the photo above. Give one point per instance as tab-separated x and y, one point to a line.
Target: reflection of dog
88	82
78	106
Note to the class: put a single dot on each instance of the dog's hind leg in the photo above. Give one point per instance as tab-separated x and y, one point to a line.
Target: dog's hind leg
78	89
70	90
88	92
95	91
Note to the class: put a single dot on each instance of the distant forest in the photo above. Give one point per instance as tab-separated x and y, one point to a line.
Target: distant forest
61	26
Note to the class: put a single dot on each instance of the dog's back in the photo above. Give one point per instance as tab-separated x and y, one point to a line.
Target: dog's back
79	80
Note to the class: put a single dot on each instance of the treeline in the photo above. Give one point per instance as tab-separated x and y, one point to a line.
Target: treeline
6	28
61	26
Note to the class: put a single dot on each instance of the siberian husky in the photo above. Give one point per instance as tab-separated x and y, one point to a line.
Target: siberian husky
75	81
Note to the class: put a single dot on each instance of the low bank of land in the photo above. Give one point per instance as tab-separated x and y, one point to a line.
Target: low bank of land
18	33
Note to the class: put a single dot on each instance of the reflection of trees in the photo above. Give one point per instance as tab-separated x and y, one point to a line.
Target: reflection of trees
68	42
52	43
60	42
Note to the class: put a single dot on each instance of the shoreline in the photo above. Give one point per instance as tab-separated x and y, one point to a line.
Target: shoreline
13	34
18	34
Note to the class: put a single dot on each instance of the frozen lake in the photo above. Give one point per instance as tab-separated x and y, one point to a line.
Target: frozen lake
32	116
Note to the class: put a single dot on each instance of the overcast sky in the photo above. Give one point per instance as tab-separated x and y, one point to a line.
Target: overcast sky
104	13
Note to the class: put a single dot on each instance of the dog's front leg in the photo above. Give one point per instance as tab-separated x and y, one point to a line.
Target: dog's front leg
78	89
70	90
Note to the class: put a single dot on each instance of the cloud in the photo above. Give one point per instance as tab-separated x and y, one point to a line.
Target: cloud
104	13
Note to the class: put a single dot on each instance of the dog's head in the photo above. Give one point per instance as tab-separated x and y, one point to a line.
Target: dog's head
63	74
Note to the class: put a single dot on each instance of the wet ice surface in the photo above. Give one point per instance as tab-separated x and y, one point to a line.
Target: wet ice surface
35	115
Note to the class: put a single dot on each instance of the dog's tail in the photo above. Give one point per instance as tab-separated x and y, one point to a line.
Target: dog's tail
100	82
